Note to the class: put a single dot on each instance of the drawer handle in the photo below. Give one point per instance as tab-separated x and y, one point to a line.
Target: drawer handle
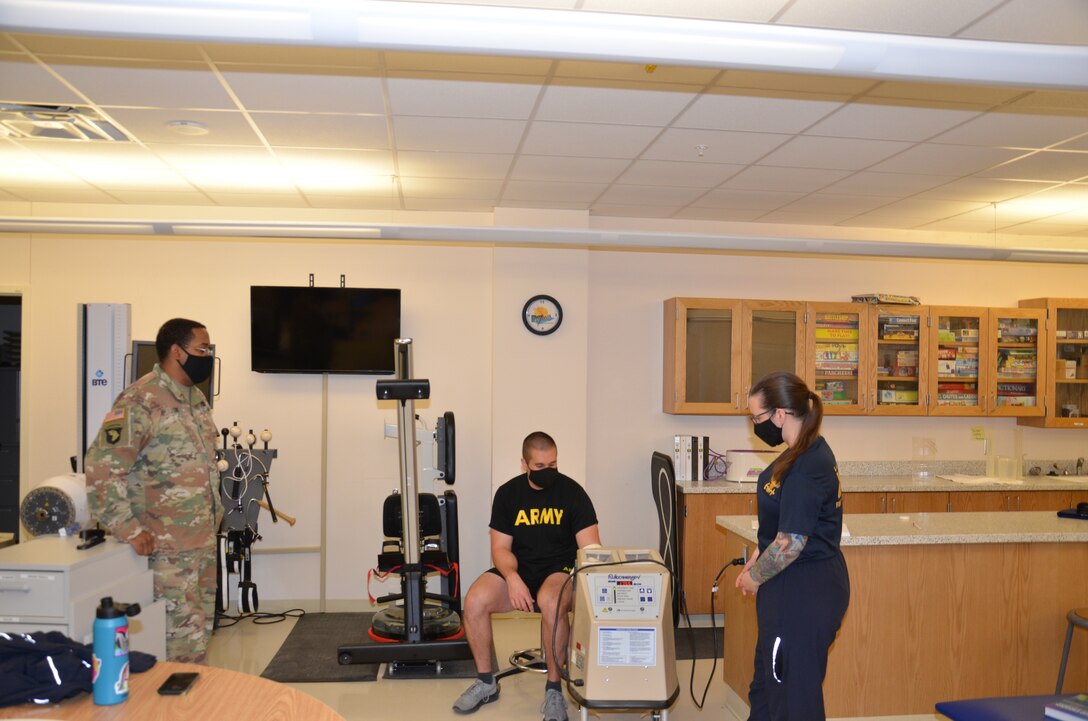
20	588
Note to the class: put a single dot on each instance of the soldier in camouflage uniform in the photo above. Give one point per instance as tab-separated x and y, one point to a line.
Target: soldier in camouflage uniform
152	481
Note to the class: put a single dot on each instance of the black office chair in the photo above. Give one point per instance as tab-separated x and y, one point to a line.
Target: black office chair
663	487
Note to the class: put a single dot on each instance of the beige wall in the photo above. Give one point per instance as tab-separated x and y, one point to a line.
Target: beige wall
595	384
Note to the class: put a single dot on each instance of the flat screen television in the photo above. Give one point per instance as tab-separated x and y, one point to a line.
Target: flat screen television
323	330
144	358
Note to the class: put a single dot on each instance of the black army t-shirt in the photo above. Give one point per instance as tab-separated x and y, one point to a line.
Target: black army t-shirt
543	523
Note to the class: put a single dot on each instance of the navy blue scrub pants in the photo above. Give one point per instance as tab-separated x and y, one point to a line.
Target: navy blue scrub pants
799	611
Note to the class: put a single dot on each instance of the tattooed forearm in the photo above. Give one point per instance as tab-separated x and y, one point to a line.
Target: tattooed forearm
784	550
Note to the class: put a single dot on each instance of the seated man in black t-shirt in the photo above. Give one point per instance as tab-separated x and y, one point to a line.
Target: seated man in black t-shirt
539	520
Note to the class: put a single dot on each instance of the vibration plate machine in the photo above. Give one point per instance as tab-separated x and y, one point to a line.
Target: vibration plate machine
418	630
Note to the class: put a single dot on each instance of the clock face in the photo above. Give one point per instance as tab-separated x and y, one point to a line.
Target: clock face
542	314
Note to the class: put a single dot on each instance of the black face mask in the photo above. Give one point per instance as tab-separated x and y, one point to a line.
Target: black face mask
545	477
769	433
198	367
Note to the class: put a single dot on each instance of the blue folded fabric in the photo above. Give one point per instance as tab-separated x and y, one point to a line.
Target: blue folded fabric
1006	708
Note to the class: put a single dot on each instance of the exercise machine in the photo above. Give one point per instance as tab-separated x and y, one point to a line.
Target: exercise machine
419	630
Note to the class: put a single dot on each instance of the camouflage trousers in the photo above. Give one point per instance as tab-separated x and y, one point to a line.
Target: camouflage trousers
186	581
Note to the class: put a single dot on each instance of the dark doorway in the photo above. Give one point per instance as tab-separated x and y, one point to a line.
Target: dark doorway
11	336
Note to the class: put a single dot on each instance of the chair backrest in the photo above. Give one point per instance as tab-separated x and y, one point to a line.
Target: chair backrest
663	487
430	516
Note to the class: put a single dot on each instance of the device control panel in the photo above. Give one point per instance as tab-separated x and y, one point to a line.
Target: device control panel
621	596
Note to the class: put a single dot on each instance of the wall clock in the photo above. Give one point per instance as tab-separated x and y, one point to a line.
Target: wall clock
542	314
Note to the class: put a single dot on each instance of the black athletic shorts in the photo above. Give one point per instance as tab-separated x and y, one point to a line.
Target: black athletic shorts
534	582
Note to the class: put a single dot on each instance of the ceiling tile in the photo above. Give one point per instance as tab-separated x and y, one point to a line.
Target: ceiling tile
594	103
25	81
664	74
476	189
559	168
912	213
546	205
227	169
457	134
977	95
800	180
6	196
67	194
463	96
258	200
121	166
1059	102
537	190
886	16
311	130
721	214
342	201
1056	22
327	90
26	169
590	140
687	174
1055	166
116	48
115	82
835	153
613	210
438	164
1021	130
886	121
746	199
456	205
985	190
896	185
840	205
780	113
343	172
721	146
953	160
808	216
225	127
162	197
1048	229
650	196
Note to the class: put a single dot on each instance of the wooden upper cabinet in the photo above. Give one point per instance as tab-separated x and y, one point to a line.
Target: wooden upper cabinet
702	341
715	348
1063	358
959	361
1020	357
899	345
837	360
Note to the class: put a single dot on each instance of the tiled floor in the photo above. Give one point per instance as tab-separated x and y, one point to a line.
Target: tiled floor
248	647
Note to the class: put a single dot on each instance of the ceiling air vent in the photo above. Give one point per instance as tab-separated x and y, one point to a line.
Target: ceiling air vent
56	122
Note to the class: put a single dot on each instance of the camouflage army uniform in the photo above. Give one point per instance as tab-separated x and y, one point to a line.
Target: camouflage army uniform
152	468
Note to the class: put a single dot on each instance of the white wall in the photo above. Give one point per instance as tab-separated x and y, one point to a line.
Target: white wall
595	384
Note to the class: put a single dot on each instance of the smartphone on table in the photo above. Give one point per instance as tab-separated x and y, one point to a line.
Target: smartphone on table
178	683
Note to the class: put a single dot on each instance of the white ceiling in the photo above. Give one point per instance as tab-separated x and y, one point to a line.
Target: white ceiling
309	134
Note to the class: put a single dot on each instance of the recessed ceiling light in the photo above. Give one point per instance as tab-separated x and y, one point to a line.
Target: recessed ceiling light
188	127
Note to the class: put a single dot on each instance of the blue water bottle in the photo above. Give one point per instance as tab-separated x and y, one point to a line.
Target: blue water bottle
110	651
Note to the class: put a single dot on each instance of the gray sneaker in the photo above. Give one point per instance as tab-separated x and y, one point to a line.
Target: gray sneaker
476	696
554	707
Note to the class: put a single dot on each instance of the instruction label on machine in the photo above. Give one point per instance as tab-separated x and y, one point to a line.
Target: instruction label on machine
626	596
627	646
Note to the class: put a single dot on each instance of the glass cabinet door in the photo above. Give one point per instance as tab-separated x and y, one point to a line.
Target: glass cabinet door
958	379
702	336
1071	366
773	341
1020	355
835	358
899	384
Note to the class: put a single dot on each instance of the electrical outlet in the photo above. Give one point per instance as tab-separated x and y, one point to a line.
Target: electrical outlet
391	430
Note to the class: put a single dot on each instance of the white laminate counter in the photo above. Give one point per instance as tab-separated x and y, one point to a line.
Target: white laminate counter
889	529
905	483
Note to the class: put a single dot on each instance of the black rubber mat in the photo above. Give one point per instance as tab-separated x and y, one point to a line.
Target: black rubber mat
308	655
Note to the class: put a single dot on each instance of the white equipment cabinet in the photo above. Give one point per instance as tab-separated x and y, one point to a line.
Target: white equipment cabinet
47	584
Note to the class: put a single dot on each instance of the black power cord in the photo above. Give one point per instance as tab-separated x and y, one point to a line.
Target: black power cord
713	636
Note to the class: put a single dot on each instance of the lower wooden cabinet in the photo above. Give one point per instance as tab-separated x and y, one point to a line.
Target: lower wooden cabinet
895	502
1017	500
702	545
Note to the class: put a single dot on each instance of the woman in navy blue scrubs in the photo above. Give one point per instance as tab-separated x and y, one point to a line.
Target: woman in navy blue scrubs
799	571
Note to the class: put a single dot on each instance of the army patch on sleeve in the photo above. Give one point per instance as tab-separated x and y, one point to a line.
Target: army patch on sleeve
117	414
113	435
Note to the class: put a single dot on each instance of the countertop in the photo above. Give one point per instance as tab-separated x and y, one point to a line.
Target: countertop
889	529
907	483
